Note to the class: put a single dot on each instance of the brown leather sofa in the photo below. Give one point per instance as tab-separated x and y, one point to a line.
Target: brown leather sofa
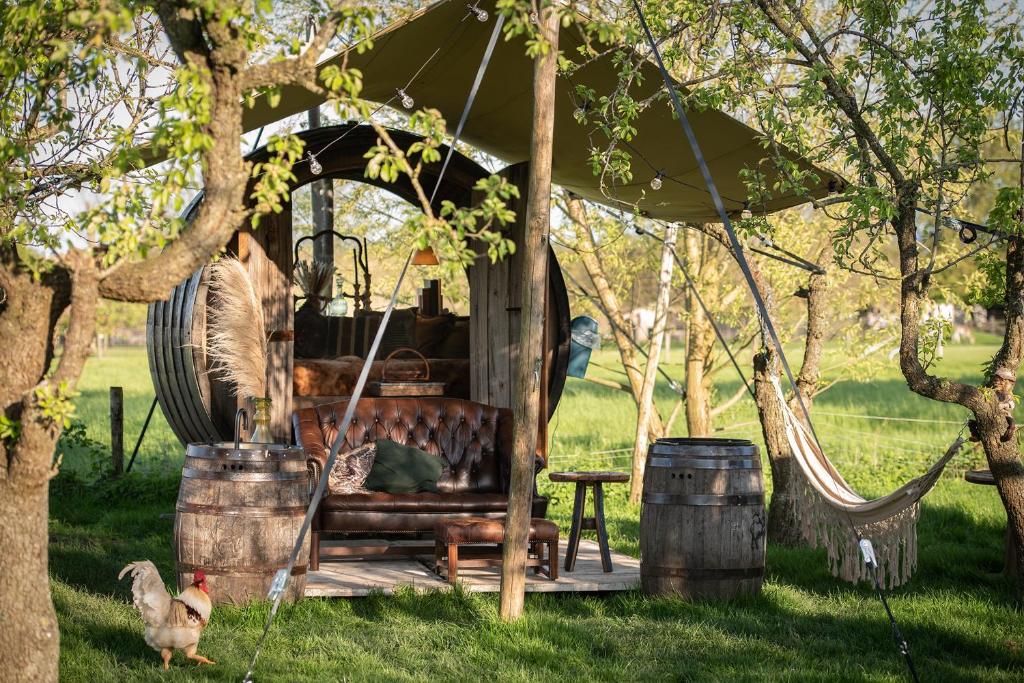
473	438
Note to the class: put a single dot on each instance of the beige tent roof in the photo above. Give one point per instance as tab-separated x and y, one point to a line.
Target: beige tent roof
499	122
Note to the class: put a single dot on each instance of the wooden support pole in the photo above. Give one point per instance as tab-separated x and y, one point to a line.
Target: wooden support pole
651	372
526	399
117	430
322	203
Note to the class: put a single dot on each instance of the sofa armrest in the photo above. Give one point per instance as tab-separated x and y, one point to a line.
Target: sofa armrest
315	470
309	436
506	446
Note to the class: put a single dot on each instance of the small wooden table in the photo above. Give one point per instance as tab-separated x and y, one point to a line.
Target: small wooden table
579	522
985	478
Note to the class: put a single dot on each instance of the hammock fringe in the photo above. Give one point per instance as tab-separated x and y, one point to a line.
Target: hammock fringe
894	540
828	508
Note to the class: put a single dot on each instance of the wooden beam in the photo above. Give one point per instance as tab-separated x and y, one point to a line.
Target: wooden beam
530	361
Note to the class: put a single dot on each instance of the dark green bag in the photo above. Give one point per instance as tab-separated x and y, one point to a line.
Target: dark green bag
403	469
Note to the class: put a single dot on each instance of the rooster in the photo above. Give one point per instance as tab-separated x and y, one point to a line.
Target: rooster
171	623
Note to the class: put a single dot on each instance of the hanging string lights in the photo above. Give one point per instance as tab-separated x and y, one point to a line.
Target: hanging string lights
656	181
481	13
407	101
401	94
314	165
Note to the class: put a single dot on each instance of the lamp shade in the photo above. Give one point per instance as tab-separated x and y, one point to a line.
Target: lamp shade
425	257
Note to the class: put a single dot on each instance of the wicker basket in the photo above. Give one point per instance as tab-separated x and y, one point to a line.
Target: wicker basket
418	385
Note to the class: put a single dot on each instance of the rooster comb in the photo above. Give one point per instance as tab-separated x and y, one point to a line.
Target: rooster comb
199	576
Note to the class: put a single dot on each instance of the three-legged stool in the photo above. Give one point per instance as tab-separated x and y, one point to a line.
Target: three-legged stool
579	522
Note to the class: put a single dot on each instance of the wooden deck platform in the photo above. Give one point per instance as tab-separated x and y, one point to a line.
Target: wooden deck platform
356	578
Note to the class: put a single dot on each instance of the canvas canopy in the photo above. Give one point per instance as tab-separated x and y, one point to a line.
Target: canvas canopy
499	123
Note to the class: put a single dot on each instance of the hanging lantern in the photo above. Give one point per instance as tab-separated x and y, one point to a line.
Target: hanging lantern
425	257
583	339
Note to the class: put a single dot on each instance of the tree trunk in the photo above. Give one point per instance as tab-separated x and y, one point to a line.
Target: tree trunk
608	302
527	399
1004	457
651	372
783	509
699	344
29	637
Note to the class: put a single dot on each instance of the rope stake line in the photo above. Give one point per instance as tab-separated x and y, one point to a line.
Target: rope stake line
758	300
283	576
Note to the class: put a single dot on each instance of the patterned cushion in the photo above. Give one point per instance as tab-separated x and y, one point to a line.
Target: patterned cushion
351	469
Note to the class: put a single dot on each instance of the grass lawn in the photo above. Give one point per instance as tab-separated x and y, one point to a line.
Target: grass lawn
957	614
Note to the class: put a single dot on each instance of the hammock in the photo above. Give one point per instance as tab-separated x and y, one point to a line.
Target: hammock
829	506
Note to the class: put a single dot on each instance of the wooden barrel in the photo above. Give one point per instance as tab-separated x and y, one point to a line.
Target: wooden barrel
238	515
702	522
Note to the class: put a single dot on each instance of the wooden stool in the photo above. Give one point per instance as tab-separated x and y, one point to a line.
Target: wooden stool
985	478
452	532
579	522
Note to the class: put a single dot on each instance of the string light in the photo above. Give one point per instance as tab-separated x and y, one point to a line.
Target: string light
407	101
481	14
314	165
404	98
534	17
746	214
656	181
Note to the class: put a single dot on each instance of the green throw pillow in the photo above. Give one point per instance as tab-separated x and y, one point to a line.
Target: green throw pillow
403	469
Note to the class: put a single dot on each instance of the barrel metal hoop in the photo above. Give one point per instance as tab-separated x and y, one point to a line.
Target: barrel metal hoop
699	499
705	463
227	475
703	451
706	573
243	466
242	510
216	452
265	570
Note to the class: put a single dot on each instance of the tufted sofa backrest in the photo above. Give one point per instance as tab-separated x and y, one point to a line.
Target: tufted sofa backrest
474	439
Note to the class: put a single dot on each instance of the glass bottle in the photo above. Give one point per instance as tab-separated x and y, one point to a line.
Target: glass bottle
261	421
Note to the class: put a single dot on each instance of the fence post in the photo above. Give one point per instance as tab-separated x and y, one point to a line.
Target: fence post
117	429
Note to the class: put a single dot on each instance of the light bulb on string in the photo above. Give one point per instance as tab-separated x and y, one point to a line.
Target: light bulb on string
407	101
481	14
656	181
534	17
314	165
746	213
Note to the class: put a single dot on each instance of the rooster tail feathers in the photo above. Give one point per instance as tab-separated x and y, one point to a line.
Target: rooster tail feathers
149	594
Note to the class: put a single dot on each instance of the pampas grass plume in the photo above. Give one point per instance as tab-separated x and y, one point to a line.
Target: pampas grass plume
237	332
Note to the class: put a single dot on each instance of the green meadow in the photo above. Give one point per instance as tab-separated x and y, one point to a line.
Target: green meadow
957	612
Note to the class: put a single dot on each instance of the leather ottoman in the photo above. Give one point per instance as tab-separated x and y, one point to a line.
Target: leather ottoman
450	533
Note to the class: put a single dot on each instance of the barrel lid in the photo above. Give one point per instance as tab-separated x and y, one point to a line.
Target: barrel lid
704	447
245	451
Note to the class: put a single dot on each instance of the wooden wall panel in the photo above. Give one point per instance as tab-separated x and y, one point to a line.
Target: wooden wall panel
495	317
267	253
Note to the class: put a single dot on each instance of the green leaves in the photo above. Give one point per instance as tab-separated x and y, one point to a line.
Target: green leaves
274	176
55	403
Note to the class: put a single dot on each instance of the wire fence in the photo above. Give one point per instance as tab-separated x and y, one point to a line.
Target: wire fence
838	438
